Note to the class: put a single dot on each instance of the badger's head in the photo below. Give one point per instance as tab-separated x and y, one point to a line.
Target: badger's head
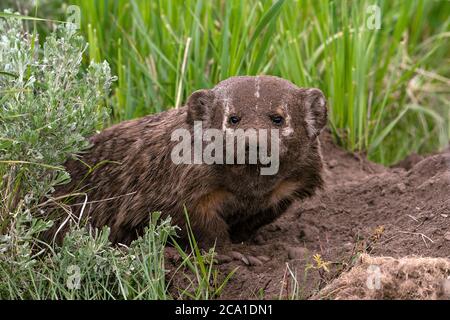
267	105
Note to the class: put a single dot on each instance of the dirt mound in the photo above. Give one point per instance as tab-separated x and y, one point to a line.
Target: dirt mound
389	278
365	208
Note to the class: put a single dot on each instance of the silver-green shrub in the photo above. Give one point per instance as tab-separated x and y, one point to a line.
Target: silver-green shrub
48	106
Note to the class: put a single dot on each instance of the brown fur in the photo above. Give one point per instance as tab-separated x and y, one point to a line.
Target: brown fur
223	201
283	190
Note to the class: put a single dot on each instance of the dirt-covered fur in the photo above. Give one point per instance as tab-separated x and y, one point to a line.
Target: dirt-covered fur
134	174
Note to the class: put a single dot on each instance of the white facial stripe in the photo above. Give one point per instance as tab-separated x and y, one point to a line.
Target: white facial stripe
287	130
226	112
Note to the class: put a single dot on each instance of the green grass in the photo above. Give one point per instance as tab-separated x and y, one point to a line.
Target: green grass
86	266
203	279
49	104
388	89
388	93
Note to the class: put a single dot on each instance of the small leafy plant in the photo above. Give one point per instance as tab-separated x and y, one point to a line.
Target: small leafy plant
48	106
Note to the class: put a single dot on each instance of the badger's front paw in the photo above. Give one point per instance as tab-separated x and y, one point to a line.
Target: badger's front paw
248	260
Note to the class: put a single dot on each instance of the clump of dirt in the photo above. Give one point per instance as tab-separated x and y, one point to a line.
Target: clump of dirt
365	208
390	278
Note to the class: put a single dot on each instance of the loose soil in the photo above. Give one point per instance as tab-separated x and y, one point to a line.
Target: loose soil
366	215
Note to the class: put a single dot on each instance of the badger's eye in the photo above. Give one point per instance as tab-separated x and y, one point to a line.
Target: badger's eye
234	119
277	119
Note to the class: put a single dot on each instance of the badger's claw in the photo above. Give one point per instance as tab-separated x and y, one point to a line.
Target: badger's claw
248	260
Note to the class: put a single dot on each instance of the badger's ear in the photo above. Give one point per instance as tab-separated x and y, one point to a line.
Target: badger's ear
200	106
315	110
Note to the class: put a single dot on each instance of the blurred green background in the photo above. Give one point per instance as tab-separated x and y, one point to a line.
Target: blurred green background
388	88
